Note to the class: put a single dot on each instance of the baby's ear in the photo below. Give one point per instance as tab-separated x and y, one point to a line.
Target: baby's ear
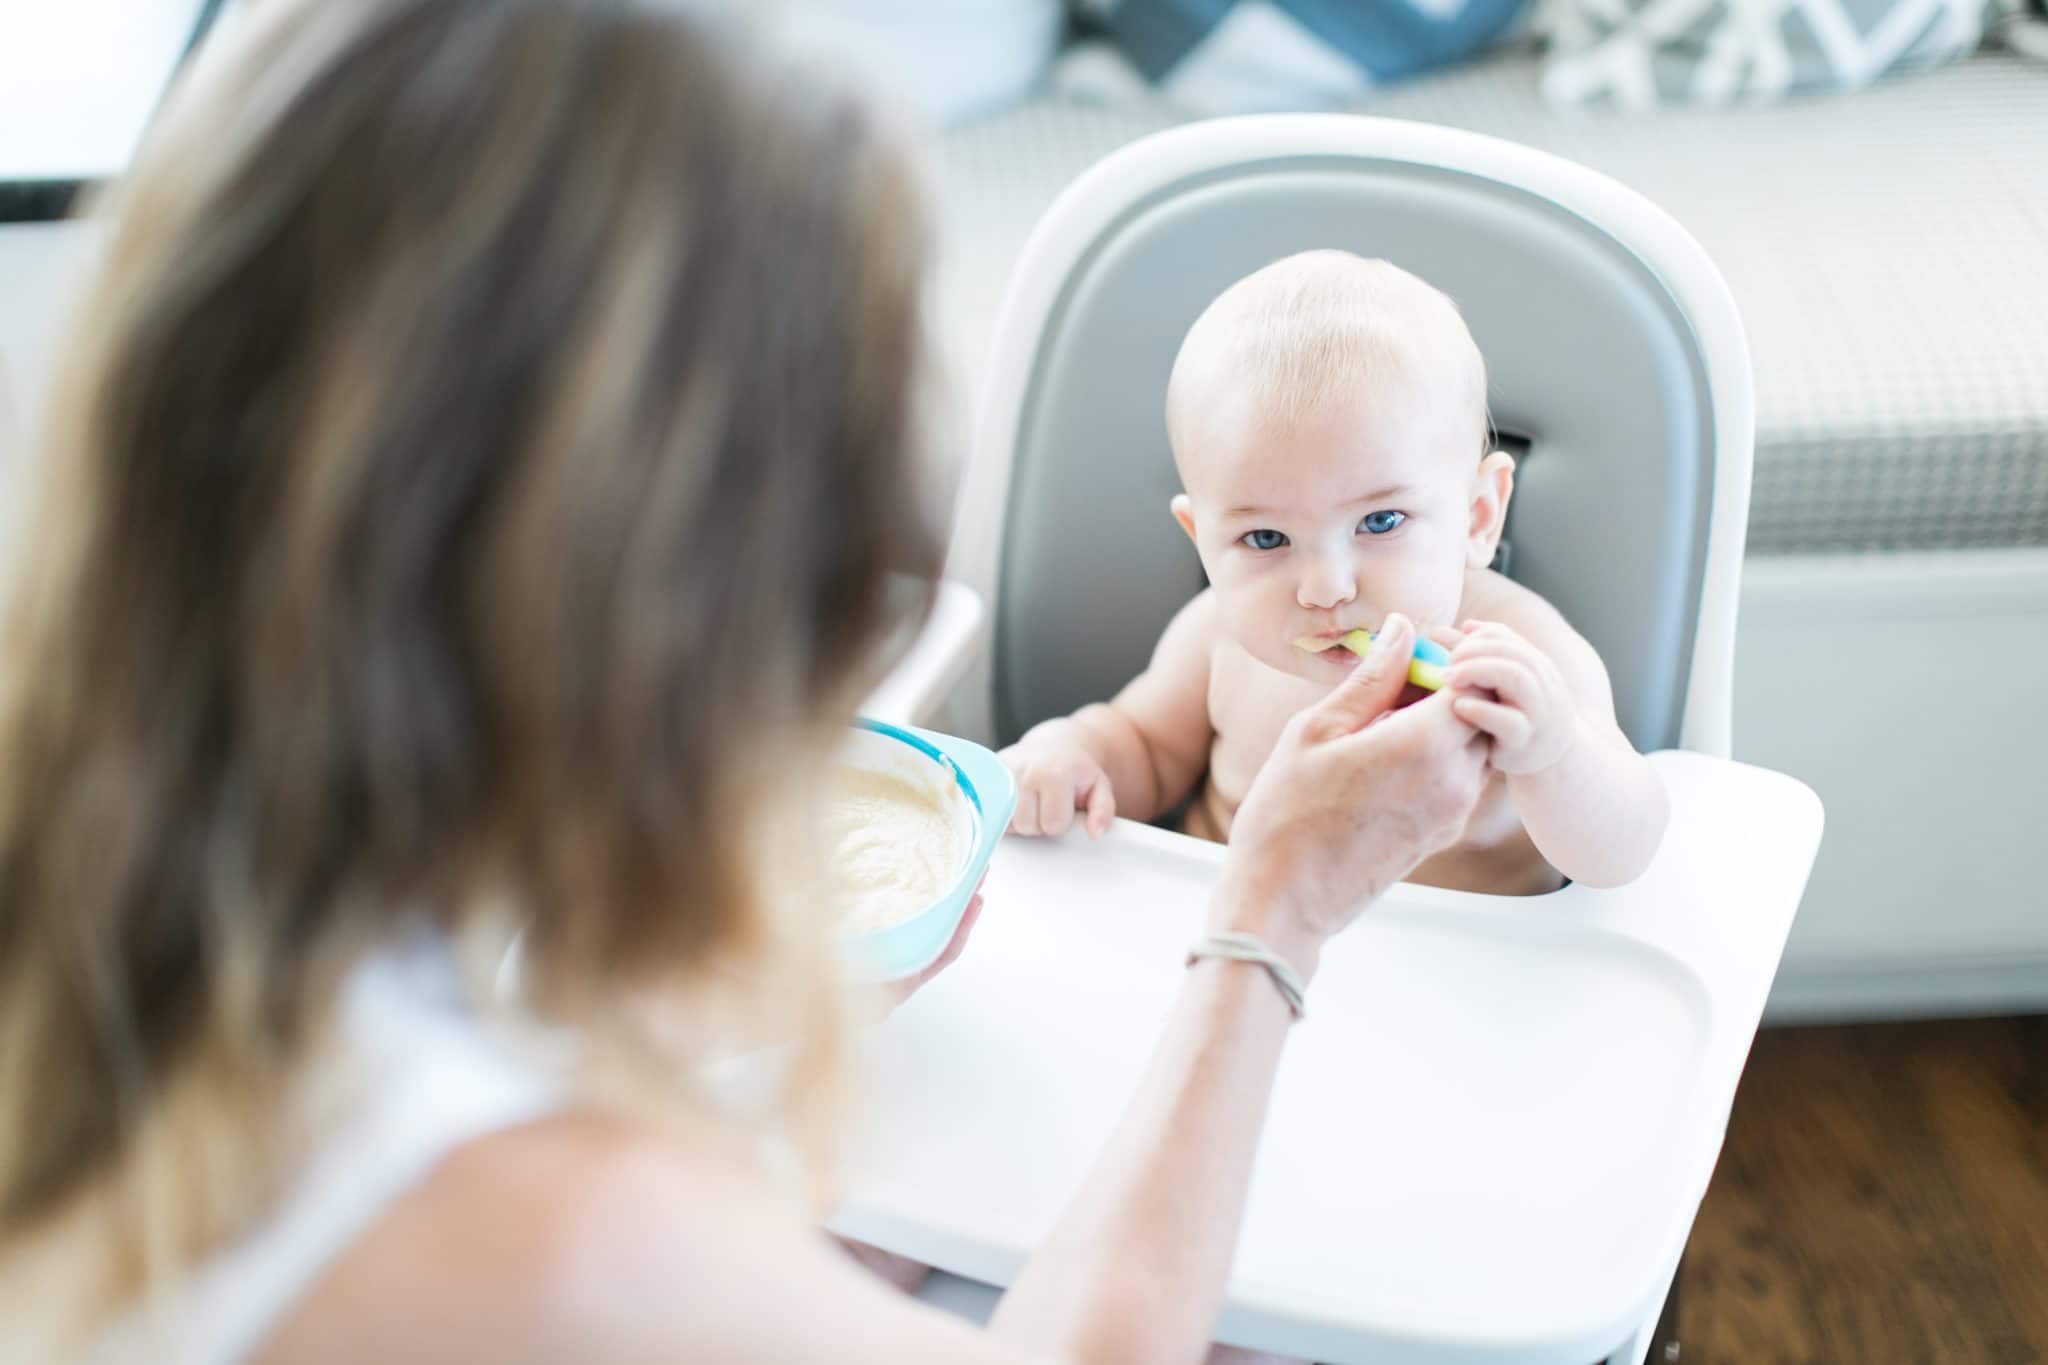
1184	513
1492	486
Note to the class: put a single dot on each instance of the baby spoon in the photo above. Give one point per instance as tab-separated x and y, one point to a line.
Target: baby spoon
1425	667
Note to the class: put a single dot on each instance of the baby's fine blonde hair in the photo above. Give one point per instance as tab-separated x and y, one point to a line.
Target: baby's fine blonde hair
1319	326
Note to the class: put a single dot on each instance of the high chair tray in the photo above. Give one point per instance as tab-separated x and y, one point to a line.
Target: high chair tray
1487	1139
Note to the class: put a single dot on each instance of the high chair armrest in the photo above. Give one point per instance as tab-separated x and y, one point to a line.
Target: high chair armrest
934	662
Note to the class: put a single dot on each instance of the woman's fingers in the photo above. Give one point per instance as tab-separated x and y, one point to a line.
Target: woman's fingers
956	944
1430	728
1369	690
889	995
1437	761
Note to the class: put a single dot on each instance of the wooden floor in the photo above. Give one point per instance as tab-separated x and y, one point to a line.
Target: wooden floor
1882	1197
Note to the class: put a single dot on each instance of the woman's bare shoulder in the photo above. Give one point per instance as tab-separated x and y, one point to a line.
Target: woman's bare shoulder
593	1238
483	1258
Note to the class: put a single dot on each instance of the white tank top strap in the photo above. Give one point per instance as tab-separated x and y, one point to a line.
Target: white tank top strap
431	1078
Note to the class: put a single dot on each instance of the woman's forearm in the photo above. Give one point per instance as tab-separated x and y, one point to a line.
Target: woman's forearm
1135	1271
1597	814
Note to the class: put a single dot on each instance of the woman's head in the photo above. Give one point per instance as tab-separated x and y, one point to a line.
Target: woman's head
481	461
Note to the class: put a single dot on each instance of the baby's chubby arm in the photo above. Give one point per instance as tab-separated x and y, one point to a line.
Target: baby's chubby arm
1134	756
1593	806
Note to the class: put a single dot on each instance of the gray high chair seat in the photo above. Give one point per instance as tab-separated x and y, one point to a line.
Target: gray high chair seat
1617	372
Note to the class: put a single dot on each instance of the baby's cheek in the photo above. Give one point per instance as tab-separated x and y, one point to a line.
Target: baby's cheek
1425	588
1257	616
1244	609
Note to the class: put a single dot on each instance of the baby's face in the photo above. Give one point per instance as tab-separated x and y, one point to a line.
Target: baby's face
1325	525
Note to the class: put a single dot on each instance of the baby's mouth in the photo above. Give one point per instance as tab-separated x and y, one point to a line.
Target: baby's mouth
1342	647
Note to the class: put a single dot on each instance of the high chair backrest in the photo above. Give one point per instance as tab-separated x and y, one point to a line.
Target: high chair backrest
1617	366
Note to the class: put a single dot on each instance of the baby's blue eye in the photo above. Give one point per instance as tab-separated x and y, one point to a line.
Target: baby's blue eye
1263	539
1379	523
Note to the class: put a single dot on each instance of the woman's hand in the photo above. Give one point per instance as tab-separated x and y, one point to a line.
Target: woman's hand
881	999
1353	798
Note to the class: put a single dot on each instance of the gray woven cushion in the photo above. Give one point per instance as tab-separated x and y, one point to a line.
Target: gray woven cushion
1643	53
1889	251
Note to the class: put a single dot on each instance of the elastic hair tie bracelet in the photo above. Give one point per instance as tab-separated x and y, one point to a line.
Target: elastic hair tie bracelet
1246	948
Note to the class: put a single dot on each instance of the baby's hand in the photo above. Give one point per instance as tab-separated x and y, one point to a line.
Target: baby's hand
1510	690
1058	774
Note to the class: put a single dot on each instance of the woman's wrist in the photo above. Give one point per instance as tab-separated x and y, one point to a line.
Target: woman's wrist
1243	906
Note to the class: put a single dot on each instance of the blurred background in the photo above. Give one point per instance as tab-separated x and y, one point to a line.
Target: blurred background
1871	176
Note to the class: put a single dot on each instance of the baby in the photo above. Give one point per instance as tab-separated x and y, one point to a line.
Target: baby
1328	419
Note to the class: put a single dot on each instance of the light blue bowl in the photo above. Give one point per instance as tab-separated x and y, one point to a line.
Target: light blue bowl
986	796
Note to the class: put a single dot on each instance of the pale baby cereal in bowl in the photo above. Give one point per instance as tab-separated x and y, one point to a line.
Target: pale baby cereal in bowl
893	845
910	821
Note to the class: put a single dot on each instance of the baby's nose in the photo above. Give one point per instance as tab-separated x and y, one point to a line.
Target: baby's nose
1328	581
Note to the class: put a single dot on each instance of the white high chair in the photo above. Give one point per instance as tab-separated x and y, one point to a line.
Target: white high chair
1489	1138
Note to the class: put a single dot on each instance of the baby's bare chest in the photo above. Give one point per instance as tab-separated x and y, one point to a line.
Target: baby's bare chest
1247	715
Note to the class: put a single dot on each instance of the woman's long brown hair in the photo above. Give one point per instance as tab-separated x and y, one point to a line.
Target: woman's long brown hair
478	477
